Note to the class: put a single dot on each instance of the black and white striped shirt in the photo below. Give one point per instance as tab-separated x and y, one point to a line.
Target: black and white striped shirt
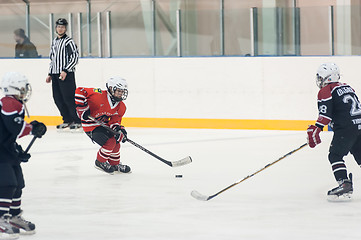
64	55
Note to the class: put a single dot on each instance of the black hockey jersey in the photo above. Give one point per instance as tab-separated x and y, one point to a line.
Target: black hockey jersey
12	127
339	106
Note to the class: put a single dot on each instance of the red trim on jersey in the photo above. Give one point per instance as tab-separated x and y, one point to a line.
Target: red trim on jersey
325	93
11	105
323	120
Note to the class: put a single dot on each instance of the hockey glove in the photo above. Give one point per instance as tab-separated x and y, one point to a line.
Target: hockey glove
22	156
39	129
313	136
86	115
123	133
83	111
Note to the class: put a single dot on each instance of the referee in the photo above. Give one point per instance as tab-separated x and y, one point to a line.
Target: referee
64	56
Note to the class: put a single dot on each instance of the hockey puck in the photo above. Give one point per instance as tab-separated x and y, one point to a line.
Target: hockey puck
178	176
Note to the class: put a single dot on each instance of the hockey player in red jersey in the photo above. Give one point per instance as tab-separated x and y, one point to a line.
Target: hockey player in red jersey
17	91
108	107
339	107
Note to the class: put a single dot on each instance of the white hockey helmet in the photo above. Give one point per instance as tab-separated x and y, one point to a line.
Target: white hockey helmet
327	73
16	84
117	83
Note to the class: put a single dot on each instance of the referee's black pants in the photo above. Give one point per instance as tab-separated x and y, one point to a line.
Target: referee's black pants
63	94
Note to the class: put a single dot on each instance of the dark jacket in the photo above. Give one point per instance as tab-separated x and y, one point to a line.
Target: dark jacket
26	50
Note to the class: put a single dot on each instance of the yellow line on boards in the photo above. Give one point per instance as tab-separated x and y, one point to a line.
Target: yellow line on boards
255	124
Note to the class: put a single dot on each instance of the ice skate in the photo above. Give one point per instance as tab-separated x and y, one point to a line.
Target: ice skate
120	168
63	127
7	231
104	166
25	227
76	127
343	192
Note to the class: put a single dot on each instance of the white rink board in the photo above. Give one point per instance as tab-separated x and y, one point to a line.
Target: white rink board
281	88
67	198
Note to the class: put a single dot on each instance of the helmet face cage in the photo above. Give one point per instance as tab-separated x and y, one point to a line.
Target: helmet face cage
319	81
25	93
117	84
123	97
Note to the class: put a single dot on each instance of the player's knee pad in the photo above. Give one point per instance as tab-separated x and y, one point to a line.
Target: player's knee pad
356	151
18	192
337	163
116	148
19	177
334	157
7	192
110	144
7	176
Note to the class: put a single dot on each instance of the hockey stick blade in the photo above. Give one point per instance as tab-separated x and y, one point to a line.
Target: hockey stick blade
199	196
182	162
178	163
202	197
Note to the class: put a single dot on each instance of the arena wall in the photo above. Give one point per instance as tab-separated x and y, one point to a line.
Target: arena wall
199	92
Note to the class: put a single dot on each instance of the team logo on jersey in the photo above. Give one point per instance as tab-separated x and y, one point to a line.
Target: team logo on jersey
103	117
97	90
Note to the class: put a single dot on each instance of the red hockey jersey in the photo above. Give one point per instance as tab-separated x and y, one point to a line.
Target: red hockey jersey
100	105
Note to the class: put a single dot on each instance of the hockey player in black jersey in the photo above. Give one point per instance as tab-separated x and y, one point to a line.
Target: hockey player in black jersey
338	106
17	91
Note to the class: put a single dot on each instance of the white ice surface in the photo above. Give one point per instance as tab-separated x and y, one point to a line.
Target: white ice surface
67	198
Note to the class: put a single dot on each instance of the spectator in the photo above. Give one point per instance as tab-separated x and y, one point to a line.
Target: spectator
24	48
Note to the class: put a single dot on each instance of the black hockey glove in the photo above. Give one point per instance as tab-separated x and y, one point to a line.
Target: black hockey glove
122	129
83	111
39	129
24	157
123	133
86	115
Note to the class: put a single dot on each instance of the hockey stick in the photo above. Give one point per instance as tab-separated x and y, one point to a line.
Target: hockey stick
202	197
178	163
30	144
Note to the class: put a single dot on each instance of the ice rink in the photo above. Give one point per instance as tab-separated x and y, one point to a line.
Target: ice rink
67	198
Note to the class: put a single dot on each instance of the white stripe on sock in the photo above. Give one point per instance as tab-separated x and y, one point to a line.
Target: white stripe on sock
4	209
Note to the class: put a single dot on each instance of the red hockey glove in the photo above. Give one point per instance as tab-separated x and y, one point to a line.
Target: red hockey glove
313	136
